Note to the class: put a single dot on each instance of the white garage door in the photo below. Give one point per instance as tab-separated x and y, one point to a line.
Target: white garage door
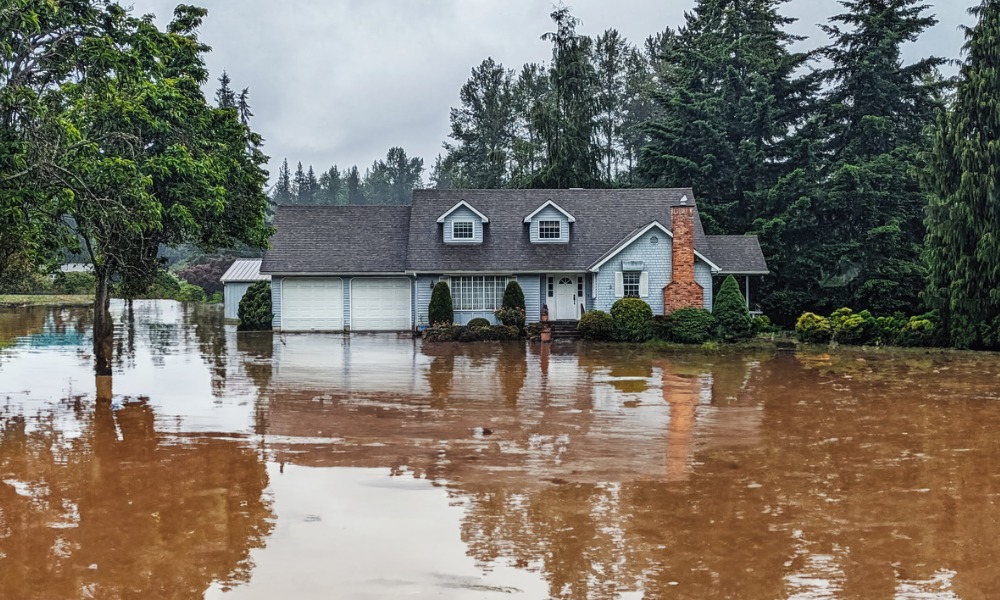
380	304
313	304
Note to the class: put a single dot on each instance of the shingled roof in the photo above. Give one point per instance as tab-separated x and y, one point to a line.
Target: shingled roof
603	219
338	239
737	254
394	239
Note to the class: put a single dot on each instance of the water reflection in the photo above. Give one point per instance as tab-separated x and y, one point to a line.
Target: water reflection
392	468
85	512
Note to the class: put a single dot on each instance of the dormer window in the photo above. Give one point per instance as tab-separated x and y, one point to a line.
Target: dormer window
463	230
549	230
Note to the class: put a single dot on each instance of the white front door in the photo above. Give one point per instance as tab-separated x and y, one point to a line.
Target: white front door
565	296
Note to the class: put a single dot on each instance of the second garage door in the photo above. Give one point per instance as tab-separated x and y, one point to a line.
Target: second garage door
380	304
312	304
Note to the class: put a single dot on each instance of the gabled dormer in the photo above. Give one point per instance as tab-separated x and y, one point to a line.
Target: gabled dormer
549	224
463	224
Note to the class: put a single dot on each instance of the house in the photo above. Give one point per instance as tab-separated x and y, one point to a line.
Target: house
372	268
236	280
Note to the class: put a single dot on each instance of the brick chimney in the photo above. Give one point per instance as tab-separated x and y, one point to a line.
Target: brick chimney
682	291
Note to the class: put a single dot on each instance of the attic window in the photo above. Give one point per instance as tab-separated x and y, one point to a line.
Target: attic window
462	230
549	230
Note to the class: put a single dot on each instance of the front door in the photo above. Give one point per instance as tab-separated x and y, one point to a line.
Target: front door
565	295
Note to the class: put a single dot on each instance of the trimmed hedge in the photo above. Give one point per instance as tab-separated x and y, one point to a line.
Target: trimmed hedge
631	318
596	325
462	333
441	311
686	326
812	328
479	322
255	307
731	314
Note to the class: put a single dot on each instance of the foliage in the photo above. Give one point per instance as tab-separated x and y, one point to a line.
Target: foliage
812	328
849	327
392	181
441	311
513	296
461	333
920	330
207	274
730	311
963	217
74	283
479	322
215	298
762	325
514	316
596	325
169	286
686	326
631	318
255	311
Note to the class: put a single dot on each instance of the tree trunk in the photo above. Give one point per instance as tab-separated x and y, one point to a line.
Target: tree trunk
104	328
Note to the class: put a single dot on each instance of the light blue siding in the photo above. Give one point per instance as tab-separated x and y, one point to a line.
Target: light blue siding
276	301
703	275
425	285
550	214
656	262
463	214
232	294
531	286
347	303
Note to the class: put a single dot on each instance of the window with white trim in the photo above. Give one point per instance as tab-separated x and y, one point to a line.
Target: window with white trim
477	292
549	230
463	230
630	283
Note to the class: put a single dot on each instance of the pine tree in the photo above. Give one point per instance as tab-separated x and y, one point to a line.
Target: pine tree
331	188
243	106
565	118
300	184
393	180
355	194
283	187
224	96
963	217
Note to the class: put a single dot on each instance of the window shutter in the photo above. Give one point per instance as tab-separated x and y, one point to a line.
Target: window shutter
644	284
619	285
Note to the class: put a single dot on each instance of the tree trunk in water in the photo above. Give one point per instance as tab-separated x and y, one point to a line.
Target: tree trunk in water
104	328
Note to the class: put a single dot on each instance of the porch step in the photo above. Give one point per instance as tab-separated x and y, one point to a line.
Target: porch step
564	330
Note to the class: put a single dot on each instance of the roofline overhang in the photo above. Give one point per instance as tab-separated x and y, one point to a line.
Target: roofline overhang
727	272
335	273
571	218
716	269
460	204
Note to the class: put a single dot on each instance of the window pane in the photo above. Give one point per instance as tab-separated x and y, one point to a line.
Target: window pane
548	230
462	230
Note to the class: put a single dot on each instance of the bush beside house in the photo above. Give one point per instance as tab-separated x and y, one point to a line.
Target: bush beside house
685	326
441	310
731	315
597	326
255	307
631	318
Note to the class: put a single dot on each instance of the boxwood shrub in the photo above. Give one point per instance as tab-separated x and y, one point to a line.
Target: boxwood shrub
255	307
631	318
813	328
688	326
596	325
441	311
479	322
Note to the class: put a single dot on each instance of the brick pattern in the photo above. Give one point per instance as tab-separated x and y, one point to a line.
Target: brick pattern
683	291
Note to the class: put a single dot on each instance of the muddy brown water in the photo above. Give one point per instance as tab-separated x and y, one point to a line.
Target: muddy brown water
257	466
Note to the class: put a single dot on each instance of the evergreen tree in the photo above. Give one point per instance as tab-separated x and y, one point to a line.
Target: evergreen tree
393	180
331	188
727	98
963	218
300	184
442	175
243	106
565	117
355	194
527	146
730	311
224	96
283	191
483	128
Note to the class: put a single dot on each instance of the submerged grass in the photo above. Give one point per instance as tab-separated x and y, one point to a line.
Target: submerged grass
19	300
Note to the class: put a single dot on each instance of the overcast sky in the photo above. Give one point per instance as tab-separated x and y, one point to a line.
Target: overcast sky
341	81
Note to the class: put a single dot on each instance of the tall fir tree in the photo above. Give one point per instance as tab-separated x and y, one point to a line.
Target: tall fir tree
392	181
728	96
565	117
299	184
963	217
283	191
243	106
483	128
331	188
355	193
224	96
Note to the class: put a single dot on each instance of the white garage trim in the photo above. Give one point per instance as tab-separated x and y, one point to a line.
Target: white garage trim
378	304
320	309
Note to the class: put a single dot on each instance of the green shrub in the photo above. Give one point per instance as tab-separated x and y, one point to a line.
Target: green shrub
503	333
190	293
762	325
920	330
513	296
255	307
441	311
533	331
216	298
481	332
848	327
688	326
731	315
631	318
887	329
74	283
812	328
511	315
596	325
479	322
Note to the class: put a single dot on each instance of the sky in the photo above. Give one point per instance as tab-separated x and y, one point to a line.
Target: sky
342	81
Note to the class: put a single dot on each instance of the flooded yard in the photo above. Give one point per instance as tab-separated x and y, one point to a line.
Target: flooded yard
258	466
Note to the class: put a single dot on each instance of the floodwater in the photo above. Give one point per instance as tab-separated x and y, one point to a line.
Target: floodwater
255	466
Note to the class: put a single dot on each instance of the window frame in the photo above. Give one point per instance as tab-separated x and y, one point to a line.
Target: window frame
626	275
472	230
471	293
546	234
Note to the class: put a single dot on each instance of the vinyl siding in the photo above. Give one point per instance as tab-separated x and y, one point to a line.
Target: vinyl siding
703	275
550	214
347	303
232	294
425	285
276	301
531	286
463	214
656	262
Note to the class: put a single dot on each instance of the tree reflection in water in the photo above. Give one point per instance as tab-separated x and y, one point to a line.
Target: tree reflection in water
121	511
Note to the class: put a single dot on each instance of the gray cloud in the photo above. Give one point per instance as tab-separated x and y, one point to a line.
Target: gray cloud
339	82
